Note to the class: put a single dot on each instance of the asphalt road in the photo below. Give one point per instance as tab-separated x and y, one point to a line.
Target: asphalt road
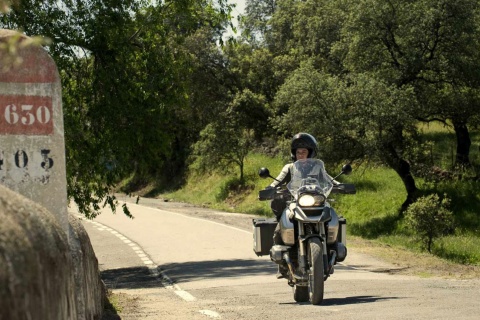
181	262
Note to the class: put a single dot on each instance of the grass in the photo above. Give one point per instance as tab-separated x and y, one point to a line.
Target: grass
112	306
443	149
374	209
222	190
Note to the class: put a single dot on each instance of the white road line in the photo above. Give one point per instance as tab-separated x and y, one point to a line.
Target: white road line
185	295
152	267
210	313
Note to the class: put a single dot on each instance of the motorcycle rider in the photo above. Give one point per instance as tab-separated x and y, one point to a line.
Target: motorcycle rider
302	146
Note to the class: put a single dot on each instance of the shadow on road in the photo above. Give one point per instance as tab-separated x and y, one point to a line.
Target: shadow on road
191	271
354	300
140	277
346	301
129	278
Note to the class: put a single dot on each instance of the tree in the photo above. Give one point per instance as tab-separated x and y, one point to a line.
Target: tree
430	218
124	82
230	138
254	23
210	84
429	44
309	30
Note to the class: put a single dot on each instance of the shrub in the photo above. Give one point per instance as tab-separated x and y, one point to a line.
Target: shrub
430	218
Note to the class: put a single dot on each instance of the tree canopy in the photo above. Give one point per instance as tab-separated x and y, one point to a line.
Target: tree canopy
149	86
126	75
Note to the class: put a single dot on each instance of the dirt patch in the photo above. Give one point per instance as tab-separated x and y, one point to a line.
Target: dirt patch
120	303
411	263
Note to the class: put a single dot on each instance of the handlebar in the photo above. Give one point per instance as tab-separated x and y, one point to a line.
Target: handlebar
266	194
272	193
344	188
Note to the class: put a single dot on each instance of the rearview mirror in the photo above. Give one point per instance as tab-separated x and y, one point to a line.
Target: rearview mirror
264	173
347	169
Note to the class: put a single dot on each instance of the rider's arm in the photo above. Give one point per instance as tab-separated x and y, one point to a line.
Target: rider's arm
283	177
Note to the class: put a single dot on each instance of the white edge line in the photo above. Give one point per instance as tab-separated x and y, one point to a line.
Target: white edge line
153	268
210	313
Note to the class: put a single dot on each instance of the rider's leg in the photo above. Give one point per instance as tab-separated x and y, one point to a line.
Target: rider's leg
277	240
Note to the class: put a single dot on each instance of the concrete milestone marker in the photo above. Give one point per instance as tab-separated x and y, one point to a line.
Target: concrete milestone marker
32	147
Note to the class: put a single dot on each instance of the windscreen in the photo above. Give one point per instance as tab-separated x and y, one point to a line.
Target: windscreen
310	173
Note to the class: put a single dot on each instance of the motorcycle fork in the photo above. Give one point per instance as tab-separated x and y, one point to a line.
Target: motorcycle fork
302	261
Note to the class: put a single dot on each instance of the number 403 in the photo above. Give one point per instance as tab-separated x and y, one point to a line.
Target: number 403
21	159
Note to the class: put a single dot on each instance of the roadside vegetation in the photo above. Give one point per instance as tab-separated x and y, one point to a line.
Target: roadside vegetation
374	213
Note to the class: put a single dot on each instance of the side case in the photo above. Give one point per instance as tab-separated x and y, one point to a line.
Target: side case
263	235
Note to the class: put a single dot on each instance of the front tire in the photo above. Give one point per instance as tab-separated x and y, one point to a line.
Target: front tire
315	272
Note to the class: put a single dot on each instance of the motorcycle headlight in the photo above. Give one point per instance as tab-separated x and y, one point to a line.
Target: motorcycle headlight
311	200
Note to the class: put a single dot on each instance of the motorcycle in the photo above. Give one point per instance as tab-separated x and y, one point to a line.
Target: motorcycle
314	236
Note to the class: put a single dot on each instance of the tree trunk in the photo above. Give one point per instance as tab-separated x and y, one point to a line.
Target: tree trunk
241	171
463	142
402	168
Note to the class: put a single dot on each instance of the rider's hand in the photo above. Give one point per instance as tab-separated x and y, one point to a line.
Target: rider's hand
269	187
291	214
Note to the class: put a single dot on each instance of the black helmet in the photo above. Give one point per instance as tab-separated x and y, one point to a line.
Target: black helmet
303	140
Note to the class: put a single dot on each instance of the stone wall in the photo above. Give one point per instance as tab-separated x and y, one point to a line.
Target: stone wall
89	288
43	275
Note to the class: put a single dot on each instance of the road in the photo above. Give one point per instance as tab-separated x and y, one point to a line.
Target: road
182	262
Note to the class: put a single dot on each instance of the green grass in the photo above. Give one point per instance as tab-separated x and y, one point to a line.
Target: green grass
460	248
112	306
373	213
374	209
219	190
443	149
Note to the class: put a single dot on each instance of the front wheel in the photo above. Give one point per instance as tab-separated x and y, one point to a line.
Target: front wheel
315	272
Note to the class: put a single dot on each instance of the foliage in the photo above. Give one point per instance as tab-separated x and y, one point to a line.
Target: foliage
222	143
397	63
213	189
363	114
429	45
430	218
147	86
254	22
124	79
210	84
